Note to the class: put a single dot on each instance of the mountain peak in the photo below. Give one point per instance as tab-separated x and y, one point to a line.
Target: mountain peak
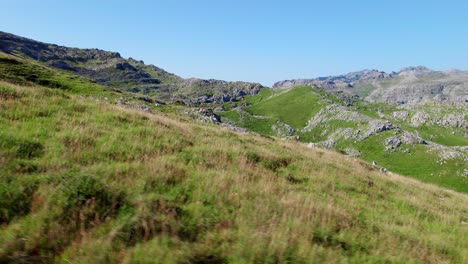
416	71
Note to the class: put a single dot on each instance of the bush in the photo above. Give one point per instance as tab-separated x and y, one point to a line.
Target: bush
29	150
86	200
15	198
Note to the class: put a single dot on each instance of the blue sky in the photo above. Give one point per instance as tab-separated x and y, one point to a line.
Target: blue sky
261	41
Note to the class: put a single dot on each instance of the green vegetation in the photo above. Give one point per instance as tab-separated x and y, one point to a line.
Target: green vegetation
260	125
88	182
412	160
21	71
294	107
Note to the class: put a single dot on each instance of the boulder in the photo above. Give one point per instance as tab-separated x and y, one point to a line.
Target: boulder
401	115
420	118
377	126
392	143
454	120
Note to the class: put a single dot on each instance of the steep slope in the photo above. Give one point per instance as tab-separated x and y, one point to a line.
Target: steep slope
111	70
421	141
413	85
84	181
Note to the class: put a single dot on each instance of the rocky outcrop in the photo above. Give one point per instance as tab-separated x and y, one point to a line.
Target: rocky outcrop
110	69
453	120
400	115
334	112
205	115
392	143
336	82
420	118
416	71
411	139
282	130
376	126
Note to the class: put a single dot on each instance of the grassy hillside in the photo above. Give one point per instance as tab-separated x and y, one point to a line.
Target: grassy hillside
21	71
88	182
294	107
343	120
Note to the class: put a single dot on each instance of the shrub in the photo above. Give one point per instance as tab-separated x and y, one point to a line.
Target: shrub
15	198
29	150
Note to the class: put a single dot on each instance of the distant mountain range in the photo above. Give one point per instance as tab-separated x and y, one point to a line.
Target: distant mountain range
409	85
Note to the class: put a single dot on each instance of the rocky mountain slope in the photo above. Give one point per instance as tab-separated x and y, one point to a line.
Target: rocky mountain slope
111	70
413	85
401	113
93	173
90	181
424	141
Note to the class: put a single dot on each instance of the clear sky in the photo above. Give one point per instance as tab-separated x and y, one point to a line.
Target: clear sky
260	41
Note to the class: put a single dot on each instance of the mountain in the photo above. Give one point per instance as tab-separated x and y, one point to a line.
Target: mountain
86	180
92	171
111	70
412	85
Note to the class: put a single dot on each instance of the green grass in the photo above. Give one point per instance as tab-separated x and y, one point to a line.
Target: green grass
419	163
442	135
23	71
294	107
88	182
260	125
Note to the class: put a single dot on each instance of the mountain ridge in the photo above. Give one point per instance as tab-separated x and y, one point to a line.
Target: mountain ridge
110	69
411	85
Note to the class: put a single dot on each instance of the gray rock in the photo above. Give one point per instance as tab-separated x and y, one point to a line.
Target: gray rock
282	129
411	139
401	115
420	118
208	114
330	143
143	108
377	126
352	152
392	143
454	120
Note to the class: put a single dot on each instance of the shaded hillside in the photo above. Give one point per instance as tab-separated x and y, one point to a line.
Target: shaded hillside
111	70
84	181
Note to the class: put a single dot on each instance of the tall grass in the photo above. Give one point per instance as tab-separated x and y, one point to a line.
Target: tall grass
88	182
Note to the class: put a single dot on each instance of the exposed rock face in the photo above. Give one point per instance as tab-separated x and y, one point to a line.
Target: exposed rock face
401	115
416	71
205	115
334	112
352	152
377	126
336	82
412	85
330	143
110	69
411	139
454	120
420	118
282	129
198	91
392	143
